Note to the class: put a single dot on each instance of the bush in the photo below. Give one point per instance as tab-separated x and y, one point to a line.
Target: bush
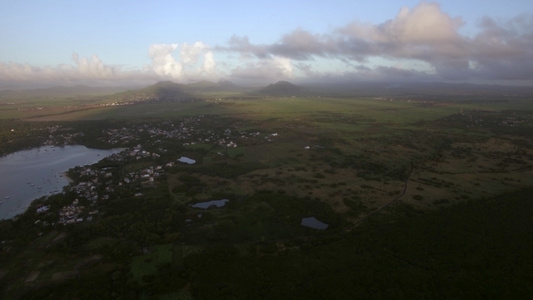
418	197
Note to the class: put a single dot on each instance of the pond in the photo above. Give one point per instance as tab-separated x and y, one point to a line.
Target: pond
207	204
187	160
312	222
30	174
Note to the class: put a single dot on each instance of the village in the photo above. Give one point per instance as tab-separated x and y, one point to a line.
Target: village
152	149
155	147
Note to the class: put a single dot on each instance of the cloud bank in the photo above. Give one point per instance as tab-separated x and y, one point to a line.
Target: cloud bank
165	65
499	51
423	35
83	70
195	62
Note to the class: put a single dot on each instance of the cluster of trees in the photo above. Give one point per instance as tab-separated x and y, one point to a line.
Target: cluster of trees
17	135
224	169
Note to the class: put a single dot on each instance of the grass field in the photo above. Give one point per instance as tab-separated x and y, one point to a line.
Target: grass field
359	164
387	133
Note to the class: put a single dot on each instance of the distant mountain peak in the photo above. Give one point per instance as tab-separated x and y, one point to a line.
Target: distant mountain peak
281	88
160	91
166	83
225	83
283	82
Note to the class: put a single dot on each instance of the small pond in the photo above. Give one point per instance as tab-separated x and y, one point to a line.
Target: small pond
312	222
187	160
207	204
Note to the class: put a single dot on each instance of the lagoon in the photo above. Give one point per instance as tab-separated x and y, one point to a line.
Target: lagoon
30	174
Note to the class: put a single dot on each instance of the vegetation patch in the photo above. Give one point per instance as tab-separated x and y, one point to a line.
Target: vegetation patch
146	265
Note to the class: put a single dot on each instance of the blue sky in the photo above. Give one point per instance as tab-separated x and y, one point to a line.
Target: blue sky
113	42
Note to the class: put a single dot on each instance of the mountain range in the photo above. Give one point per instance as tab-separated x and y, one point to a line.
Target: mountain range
281	88
172	91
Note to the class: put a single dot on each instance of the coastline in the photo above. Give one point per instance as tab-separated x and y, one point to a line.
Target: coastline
30	174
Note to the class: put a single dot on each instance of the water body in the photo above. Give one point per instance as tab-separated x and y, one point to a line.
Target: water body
207	204
30	174
312	222
187	160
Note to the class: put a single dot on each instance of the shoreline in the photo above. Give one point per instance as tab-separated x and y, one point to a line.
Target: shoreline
30	174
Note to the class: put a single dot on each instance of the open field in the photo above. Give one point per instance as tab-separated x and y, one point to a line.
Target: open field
359	164
459	150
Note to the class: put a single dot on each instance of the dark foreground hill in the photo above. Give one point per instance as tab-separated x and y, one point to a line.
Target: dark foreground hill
467	251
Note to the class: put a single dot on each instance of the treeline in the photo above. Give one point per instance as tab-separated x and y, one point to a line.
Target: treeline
222	169
18	135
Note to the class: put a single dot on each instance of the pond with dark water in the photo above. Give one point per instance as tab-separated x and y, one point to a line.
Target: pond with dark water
208	204
312	222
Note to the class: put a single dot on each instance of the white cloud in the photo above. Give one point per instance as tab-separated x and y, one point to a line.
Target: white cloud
189	53
93	67
163	63
425	24
167	67
284	65
254	71
91	70
209	64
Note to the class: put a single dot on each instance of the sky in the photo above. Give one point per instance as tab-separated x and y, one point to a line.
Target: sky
114	42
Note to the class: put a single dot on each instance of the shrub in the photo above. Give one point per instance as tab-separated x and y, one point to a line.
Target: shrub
418	197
